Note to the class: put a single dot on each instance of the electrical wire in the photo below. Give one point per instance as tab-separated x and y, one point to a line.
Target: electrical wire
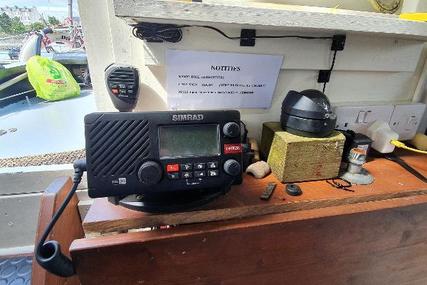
56	217
48	254
400	144
256	37
245	132
330	69
157	33
404	165
343	186
172	33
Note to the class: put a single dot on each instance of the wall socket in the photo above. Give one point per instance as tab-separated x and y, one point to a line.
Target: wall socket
402	118
406	118
359	118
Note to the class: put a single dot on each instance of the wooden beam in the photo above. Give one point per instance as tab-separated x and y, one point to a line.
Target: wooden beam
265	15
373	243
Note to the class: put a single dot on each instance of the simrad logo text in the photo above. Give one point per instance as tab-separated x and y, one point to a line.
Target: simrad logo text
187	117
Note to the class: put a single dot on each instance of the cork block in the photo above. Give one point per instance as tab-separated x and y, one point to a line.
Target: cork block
295	158
268	130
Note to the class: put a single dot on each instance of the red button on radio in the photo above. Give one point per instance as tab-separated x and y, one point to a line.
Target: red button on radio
232	148
172	167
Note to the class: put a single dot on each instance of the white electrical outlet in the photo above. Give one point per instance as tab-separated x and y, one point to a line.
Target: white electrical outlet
406	118
359	118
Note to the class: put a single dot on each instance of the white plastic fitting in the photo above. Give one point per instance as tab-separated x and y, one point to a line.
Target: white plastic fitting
381	134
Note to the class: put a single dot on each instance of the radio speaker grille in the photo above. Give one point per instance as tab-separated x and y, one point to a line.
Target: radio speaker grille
115	146
122	76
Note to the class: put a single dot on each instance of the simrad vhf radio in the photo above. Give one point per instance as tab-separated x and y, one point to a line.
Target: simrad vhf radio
154	162
163	161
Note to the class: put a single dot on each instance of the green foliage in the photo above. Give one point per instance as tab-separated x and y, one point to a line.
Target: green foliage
5	23
11	26
36	26
52	20
17	26
14	26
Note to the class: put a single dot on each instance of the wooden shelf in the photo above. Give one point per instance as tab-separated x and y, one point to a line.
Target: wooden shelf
391	182
375	235
269	16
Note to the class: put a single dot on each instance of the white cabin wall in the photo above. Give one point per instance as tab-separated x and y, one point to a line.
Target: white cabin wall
96	27
359	5
371	68
410	6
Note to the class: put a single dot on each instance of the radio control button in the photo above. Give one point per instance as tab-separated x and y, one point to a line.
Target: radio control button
231	130
199	174
232	167
186	175
200	165
232	148
172	167
213	164
186	166
213	173
150	173
174	175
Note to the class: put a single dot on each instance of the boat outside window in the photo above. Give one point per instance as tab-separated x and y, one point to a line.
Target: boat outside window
32	130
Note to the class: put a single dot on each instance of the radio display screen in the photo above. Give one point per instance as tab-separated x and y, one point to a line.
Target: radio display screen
189	141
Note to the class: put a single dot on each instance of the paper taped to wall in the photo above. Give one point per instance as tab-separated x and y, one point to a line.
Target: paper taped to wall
219	80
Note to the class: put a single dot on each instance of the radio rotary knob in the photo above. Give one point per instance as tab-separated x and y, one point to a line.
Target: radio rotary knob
232	167
231	129
150	173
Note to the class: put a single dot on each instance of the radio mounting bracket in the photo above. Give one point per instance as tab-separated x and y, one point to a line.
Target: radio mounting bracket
173	203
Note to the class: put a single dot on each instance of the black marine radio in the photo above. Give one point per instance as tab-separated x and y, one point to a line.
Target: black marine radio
169	160
154	162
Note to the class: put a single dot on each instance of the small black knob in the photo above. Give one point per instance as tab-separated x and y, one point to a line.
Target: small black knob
293	190
232	167
231	129
150	173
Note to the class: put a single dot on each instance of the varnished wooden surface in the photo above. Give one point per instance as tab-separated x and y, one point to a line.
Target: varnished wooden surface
378	242
65	231
381	242
391	181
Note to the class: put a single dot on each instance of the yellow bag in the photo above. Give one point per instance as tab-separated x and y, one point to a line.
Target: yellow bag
51	80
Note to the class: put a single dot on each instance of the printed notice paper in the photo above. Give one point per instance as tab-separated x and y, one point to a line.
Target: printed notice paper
219	80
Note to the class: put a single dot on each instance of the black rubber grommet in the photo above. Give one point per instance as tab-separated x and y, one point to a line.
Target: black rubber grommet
293	189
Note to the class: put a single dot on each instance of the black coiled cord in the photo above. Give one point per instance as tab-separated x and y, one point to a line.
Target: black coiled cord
48	254
157	33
